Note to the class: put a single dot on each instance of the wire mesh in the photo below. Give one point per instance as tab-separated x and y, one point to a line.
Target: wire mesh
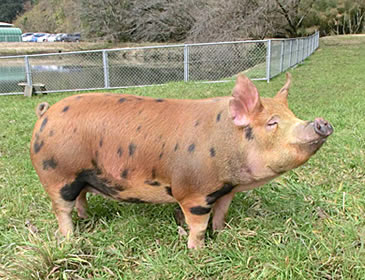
12	71
146	66
68	71
222	61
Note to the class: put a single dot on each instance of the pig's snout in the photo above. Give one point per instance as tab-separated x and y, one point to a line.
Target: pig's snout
322	127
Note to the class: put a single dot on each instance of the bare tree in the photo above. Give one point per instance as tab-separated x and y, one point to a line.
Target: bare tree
233	20
143	20
294	12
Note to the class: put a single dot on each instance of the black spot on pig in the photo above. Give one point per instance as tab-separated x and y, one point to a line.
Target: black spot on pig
214	196
168	190
139	128
152	183
197	123
65	109
51	133
124	174
49	163
160	156
219	116
191	148
75	129
120	151
176	147
43	125
134	200
199	210
159	100
121	100
89	177
248	133
132	148
101	143
38	146
212	152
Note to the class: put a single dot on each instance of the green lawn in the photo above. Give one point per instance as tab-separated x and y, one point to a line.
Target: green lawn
307	224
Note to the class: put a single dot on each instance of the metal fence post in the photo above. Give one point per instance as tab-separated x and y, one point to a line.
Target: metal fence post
106	69
291	52
268	60
297	51
281	55
317	39
186	63
28	71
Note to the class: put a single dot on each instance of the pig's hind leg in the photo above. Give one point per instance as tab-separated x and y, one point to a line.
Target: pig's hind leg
220	210
81	204
179	217
62	209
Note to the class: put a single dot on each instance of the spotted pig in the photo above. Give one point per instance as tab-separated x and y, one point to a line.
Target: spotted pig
197	153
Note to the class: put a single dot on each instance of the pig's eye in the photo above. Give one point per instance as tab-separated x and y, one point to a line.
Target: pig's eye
272	123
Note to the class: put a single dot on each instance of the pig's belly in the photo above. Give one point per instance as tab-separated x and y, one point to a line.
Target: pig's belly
139	193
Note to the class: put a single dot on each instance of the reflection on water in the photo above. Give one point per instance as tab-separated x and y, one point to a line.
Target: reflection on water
12	73
56	68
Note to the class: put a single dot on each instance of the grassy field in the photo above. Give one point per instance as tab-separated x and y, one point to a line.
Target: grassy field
307	224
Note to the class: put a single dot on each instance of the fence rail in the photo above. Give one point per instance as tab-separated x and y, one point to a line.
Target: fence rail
142	66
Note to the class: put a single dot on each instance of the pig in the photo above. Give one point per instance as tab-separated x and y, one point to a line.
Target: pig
197	153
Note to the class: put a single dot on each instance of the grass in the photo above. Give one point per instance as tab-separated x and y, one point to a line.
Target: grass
307	224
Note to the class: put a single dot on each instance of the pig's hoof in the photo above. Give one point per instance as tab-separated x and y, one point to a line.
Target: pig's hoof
179	217
82	214
196	244
217	226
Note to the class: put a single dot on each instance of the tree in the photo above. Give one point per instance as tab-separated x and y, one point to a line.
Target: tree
339	16
9	9
143	20
51	16
294	12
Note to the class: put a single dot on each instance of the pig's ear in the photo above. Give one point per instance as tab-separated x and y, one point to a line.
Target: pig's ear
246	101
282	95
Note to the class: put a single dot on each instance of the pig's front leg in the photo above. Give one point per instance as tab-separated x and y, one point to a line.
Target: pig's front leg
220	210
197	215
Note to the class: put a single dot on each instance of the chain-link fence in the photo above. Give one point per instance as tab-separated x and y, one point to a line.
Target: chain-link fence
129	67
